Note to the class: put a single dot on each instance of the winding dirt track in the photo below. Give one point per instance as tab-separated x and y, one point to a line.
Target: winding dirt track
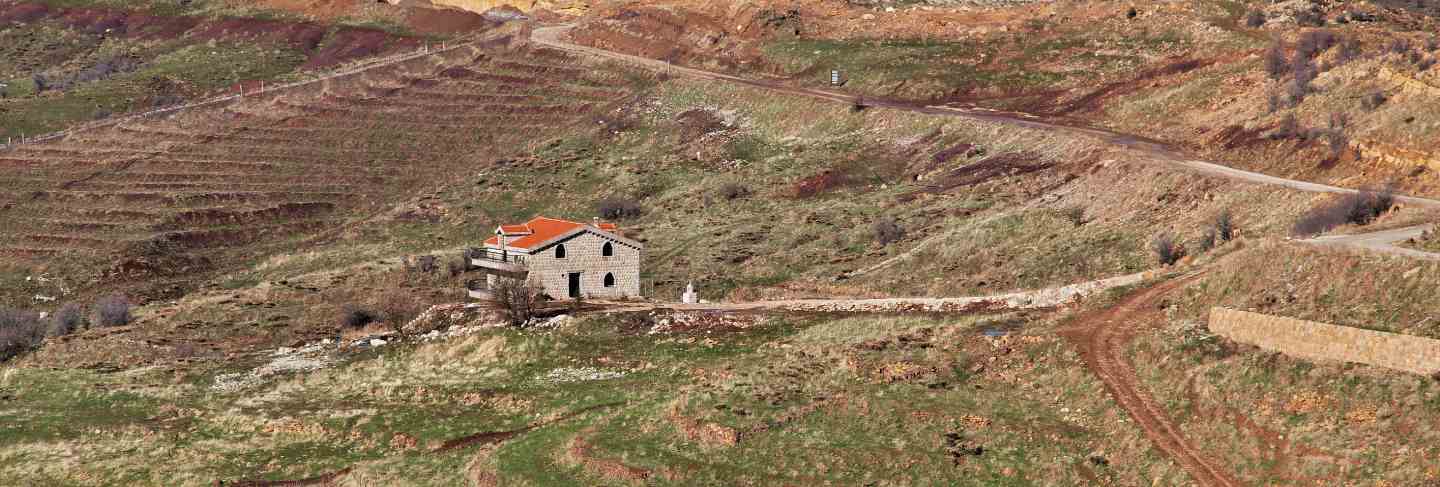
1102	336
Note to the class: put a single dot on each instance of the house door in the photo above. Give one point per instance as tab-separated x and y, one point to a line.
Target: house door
574	285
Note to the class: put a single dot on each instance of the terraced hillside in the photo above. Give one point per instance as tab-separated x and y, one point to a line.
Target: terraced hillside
193	192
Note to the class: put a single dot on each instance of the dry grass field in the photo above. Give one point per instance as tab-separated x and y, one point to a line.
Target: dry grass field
247	235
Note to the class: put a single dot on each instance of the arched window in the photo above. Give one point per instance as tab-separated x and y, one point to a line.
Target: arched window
609	280
560	251
607	249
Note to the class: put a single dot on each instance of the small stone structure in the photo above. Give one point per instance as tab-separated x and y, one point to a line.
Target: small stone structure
1319	341
565	259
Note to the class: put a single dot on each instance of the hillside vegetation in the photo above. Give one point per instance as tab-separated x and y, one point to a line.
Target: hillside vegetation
1337	92
271	290
65	62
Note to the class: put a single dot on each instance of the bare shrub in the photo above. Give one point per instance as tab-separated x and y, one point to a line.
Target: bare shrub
734	191
1206	241
423	264
1275	101
517	299
112	310
457	266
1166	249
1399	46
1299	87
1224	226
1074	214
1309	17
1288	128
20	331
1373	100
1276	64
1312	43
1358	208
618	208
1338	121
1254	19
68	319
185	350
355	317
398	309
1337	142
1131	13
887	231
1349	51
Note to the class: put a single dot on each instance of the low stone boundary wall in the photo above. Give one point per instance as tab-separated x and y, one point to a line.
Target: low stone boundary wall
1319	341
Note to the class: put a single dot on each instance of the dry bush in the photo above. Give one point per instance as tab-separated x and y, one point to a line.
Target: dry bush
1166	249
1224	226
1305	73
1358	208
517	299
1312	43
355	317
1275	101
1310	17
1288	128
1337	142
457	266
424	264
1338	121
1206	241
1349	51
67	320
887	231
20	331
1254	19
1276	64
1074	214
734	191
112	310
618	208
398	308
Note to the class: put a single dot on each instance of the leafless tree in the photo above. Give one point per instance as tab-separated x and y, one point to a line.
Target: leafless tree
517	299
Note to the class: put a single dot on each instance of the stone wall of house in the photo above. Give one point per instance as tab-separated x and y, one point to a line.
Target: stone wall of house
1319	341
583	254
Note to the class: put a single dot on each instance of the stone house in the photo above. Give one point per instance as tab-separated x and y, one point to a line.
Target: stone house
565	259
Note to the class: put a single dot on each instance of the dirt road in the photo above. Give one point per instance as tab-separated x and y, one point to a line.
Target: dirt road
1381	242
1101	337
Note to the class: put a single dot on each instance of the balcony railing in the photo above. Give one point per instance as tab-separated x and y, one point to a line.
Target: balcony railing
494	255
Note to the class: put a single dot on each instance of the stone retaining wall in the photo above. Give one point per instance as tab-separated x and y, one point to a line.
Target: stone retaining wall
1319	341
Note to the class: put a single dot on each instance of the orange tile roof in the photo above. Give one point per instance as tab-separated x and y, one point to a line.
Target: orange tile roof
540	230
514	229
